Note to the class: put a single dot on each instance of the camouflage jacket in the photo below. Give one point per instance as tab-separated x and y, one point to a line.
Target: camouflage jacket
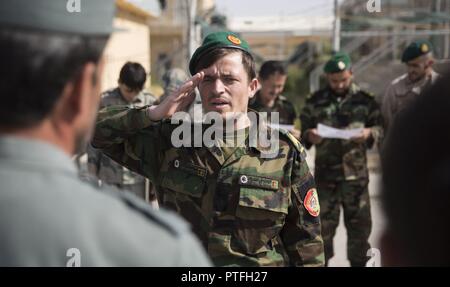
282	105
338	159
104	167
246	210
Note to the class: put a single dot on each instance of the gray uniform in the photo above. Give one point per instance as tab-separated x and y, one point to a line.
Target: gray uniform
46	213
400	93
103	167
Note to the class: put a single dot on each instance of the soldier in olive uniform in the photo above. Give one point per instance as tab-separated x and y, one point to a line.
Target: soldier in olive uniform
418	57
248	209
272	77
51	69
341	165
130	93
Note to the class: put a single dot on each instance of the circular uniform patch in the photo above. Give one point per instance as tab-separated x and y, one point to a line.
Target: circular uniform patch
233	39
311	202
424	48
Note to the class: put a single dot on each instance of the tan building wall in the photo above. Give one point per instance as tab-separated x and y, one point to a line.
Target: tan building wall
167	42
130	43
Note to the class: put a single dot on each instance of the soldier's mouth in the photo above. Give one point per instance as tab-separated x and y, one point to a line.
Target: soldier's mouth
219	102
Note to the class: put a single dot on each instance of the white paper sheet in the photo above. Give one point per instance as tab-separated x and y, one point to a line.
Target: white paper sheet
334	133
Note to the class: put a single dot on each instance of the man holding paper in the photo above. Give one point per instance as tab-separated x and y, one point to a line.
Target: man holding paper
342	121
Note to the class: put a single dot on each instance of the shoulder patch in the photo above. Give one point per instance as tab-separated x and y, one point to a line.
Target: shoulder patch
311	202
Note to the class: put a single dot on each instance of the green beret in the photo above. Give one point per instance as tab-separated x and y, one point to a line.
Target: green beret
93	17
217	40
416	49
339	62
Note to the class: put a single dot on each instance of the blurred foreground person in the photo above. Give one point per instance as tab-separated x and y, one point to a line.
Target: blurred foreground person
50	81
416	182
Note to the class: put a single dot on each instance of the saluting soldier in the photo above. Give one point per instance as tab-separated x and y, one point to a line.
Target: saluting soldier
247	208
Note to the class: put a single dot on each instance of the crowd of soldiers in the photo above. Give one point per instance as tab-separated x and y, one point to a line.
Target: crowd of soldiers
221	205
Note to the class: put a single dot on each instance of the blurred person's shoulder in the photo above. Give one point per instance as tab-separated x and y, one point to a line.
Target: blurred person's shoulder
400	81
48	206
318	96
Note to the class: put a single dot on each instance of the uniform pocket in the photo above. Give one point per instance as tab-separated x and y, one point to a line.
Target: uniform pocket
263	194
261	210
185	178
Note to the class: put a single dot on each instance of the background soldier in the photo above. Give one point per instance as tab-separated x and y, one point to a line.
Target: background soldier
272	77
51	66
130	93
247	210
341	165
418	57
416	182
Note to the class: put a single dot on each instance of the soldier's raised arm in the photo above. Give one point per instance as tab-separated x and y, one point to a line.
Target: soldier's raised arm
134	137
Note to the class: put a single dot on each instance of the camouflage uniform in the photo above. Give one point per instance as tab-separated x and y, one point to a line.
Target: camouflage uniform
285	109
107	170
341	166
246	210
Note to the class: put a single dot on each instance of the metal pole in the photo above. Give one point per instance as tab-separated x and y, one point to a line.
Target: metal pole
192	41
336	28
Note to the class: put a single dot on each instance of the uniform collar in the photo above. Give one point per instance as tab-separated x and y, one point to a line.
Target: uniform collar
354	89
35	153
432	77
258	102
241	151
137	100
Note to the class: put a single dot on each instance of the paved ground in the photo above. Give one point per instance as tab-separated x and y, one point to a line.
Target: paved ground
378	220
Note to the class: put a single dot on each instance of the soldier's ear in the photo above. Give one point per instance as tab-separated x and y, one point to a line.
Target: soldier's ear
253	87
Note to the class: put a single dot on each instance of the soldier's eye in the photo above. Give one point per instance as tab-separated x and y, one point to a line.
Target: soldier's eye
229	80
